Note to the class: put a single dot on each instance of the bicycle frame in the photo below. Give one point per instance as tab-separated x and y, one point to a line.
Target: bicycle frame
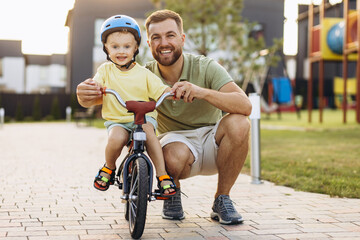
137	149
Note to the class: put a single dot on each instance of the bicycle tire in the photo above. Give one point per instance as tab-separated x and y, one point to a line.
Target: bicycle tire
138	198
126	212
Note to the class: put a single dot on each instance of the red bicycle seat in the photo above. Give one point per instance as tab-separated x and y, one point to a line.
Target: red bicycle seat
140	109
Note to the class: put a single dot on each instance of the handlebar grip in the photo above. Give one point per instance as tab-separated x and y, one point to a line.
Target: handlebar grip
103	90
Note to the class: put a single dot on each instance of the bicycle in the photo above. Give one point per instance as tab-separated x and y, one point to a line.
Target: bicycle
135	173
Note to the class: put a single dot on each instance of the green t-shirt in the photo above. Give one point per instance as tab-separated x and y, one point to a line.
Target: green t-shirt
178	115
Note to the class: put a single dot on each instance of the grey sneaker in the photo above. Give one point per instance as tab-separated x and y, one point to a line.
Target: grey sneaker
172	208
224	211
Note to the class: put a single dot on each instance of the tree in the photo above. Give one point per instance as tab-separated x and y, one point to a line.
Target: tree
216	28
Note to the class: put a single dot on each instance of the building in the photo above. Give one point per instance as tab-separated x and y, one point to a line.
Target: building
21	73
12	67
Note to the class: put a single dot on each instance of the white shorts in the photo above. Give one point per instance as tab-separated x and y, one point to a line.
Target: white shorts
201	143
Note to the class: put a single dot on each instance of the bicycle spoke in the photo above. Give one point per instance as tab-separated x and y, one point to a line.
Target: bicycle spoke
133	206
135	186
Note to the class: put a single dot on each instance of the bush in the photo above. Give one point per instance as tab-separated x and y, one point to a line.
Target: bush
36	114
49	118
19	116
28	119
55	109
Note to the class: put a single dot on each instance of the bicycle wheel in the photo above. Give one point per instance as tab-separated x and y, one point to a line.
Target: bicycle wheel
138	198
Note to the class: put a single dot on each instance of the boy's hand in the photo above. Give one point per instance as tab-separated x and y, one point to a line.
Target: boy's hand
89	93
88	89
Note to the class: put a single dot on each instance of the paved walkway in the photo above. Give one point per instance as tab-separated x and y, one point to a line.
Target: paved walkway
46	193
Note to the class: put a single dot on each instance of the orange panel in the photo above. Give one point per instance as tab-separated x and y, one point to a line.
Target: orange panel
316	39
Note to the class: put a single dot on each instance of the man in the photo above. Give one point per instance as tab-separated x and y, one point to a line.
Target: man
195	138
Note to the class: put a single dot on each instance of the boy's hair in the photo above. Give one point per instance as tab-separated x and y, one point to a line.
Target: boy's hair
162	15
125	30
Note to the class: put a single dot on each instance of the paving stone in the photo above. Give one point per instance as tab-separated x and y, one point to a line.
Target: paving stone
60	203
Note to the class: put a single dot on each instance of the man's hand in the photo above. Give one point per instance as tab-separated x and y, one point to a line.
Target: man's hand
89	93
230	98
187	91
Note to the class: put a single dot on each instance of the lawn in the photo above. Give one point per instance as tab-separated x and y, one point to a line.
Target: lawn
317	157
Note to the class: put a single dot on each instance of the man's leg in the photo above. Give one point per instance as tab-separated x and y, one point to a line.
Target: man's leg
178	160
232	137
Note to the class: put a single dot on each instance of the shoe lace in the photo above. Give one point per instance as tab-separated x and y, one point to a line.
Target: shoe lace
227	205
174	202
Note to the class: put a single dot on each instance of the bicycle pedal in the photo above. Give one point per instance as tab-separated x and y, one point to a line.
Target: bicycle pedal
161	198
158	195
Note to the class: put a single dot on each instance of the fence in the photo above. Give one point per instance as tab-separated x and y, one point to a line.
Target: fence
45	104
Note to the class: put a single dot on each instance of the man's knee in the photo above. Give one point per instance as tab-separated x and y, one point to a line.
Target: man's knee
177	156
236	127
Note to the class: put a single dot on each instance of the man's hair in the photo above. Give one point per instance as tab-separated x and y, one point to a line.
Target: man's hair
162	15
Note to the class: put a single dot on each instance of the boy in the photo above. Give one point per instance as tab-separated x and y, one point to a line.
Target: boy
121	38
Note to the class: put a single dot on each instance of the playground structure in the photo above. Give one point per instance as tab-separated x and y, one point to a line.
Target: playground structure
334	39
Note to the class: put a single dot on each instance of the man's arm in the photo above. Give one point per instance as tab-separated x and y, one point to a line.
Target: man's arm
230	98
89	93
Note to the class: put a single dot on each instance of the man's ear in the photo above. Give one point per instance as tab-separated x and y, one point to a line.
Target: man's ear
148	43
183	38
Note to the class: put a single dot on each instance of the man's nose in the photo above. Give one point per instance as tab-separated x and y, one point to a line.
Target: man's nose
164	41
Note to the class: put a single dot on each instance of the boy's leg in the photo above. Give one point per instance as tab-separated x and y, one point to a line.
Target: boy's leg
117	139
155	152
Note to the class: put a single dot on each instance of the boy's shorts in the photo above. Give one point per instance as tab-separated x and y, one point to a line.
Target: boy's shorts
201	143
129	126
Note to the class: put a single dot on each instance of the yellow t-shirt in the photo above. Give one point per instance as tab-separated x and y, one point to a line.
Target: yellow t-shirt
137	84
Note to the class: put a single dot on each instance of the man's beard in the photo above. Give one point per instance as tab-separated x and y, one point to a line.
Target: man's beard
168	61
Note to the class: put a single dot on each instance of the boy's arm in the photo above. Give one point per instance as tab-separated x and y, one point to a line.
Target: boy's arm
89	93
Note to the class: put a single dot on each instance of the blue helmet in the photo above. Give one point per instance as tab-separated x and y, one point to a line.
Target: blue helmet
118	22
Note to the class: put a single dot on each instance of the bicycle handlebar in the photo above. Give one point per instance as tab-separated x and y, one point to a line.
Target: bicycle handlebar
122	103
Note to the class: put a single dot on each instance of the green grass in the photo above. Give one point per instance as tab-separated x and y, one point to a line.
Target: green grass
331	119
321	158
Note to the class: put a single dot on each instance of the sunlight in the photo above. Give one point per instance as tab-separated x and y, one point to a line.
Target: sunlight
291	9
40	24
